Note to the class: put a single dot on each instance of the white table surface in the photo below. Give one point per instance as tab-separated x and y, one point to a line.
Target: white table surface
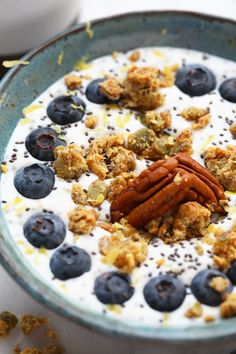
75	339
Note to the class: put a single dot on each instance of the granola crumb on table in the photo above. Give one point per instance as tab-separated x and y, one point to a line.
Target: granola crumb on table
69	161
91	121
82	220
78	194
8	321
222	164
201	116
30	323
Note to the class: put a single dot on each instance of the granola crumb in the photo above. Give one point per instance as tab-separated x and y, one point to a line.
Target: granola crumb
114	55
91	121
224	248
195	311
82	220
51	333
134	56
157	121
141	88
107	226
30	323
199	249
209	318
125	249
120	160
4	168
78	194
233	130
228	307
167	75
118	184
201	116
160	262
221	163
73	82
49	349
69	161
111	88
219	284
8	321
184	142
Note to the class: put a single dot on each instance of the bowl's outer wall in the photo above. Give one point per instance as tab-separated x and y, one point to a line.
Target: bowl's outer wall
24	83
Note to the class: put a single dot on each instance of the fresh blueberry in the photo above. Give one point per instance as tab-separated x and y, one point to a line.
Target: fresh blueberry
113	288
66	109
232	272
228	90
69	262
195	80
41	143
204	292
164	293
35	181
92	92
45	230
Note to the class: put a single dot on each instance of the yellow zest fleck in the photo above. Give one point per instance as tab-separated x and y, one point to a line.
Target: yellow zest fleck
81	64
111	256
20	242
160	261
6	207
29	249
25	121
20	210
230	194
31	108
208	141
17	201
125	68
60	57
4	168
88	30
75	106
166	317
43	251
121	121
158	54
114	308
199	249
12	63
211	228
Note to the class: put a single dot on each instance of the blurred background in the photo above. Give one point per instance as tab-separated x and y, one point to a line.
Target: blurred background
25	24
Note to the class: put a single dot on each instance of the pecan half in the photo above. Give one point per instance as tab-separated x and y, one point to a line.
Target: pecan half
164	185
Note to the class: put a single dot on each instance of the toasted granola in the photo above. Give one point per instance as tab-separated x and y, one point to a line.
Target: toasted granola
194	311
97	153
73	82
111	88
8	321
78	194
134	56
30	323
91	121
228	307
124	249
224	248
120	160
141	88
49	349
119	183
222	164
219	284
69	161
183	143
97	192
233	130
157	121
167	75
82	220
201	116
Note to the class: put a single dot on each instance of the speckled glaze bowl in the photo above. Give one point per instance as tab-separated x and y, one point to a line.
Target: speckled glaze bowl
24	83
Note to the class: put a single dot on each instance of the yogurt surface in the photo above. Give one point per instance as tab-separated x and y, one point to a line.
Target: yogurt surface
180	258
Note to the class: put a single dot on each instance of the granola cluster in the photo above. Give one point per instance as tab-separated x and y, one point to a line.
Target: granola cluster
224	248
222	164
82	220
157	121
200	116
118	184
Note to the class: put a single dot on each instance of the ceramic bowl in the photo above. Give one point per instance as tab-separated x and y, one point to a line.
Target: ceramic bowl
24	83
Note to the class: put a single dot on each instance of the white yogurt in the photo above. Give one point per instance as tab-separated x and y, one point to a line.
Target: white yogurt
182	257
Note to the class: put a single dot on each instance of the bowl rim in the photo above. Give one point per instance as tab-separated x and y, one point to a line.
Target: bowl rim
97	322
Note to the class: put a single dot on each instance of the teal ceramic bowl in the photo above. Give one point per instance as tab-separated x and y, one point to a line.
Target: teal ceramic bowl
24	83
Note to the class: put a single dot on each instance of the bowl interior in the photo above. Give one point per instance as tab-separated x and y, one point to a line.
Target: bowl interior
24	83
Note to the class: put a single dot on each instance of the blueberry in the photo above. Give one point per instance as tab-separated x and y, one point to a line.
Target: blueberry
66	109
113	288
45	230
92	92
232	272
35	181
228	90
69	262
164	293
41	143
195	80
204	292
